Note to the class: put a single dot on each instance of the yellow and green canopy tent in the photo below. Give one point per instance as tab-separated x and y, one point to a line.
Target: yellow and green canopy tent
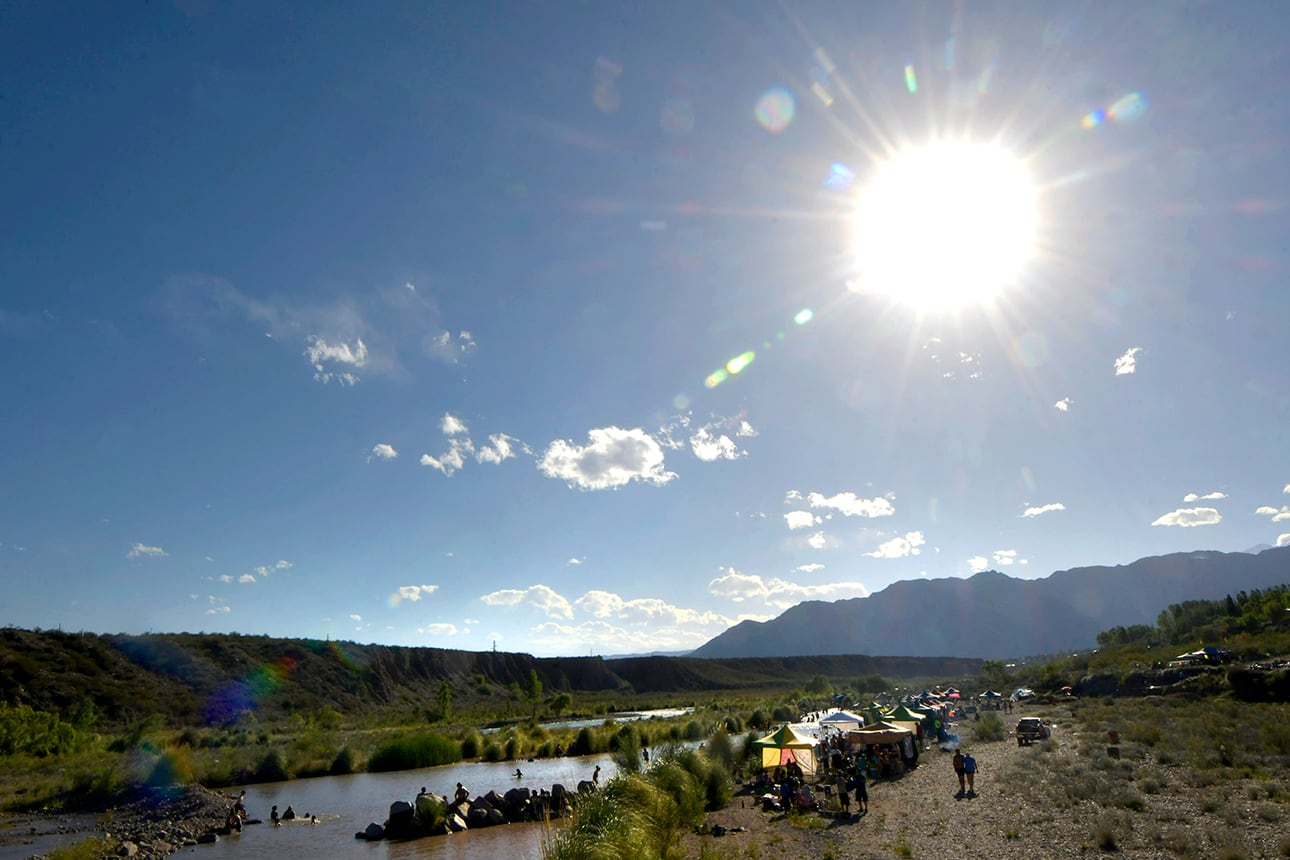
785	745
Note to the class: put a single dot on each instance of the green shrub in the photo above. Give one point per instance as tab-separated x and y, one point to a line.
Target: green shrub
415	751
471	744
346	761
272	768
758	720
989	727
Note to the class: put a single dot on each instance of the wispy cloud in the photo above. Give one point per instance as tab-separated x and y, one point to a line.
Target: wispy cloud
383	451
646	610
355	617
141	550
848	504
574	561
1189	517
1127	363
217	606
1193	497
741	587
379	331
439	629
612	458
541	597
1064	404
900	546
809	568
501	447
411	593
1277	514
1043	509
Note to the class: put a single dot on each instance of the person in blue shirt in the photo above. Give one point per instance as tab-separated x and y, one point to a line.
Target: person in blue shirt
969	771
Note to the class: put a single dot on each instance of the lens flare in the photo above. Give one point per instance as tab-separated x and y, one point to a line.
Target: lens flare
911	80
775	109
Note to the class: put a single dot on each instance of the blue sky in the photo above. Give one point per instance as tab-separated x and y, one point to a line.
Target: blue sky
549	326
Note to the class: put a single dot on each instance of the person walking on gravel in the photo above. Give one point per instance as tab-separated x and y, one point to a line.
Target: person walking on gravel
969	770
959	770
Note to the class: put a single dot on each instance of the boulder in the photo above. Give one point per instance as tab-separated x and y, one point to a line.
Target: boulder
517	805
477	815
127	849
559	800
207	838
456	823
373	832
586	786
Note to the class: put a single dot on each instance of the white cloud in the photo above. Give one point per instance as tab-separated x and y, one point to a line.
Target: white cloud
1277	514
1007	556
1064	404
411	593
809	568
266	569
849	504
900	546
614	457
1192	497
1127	363
708	447
574	561
746	429
800	519
451	425
541	597
740	587
354	616
453	459
246	577
603	637
1286	489
219	610
449	348
321	353
1043	509
1283	540
438	629
818	540
978	563
647	610
1189	517
140	550
383	451
502	448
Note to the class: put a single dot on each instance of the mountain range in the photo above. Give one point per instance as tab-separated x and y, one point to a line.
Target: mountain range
993	616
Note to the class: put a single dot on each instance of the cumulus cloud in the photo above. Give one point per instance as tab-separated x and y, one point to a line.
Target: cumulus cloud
800	519
141	550
603	637
266	569
325	356
1277	514
1286	489
746	429
1127	363
978	563
848	504
411	593
459	448
646	610
818	540
246	577
708	446
540	597
1192	497
741	587
612	458
900	546
1064	404
1006	556
1189	517
501	447
574	561
1283	540
438	629
451	425
354	616
383	451
1043	509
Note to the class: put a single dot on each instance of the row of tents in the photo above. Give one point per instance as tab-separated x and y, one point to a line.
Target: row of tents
885	727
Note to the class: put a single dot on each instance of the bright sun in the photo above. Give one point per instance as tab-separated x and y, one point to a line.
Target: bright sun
944	226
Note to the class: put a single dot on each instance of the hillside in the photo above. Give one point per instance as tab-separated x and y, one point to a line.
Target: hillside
993	616
210	678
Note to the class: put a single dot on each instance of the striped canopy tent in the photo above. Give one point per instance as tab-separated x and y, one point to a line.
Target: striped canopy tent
785	745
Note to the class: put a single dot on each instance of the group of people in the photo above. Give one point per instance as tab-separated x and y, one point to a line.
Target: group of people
237	815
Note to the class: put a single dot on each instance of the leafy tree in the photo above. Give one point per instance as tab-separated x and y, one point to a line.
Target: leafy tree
559	703
994	674
533	692
818	685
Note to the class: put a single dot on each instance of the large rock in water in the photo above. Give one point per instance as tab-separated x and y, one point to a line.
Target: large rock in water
456	823
373	832
431	810
399	825
517	806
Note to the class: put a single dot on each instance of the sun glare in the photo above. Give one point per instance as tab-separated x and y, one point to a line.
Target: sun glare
944	226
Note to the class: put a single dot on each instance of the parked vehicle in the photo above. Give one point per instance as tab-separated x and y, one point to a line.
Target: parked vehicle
1031	729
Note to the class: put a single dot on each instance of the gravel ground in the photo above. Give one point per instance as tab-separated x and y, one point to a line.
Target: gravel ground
1059	798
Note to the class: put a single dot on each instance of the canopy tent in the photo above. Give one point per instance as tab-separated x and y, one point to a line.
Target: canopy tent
879	733
991	694
785	745
903	714
842	720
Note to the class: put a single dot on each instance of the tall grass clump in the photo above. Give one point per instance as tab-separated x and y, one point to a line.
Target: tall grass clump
346	761
414	751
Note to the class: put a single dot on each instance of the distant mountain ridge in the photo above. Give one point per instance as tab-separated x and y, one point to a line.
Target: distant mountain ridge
993	616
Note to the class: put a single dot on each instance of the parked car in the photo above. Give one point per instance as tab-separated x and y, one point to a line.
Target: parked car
1030	729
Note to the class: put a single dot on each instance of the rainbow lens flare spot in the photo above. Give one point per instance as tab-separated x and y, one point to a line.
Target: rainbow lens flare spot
775	109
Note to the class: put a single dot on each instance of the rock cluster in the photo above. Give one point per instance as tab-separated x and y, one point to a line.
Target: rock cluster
433	815
157	823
